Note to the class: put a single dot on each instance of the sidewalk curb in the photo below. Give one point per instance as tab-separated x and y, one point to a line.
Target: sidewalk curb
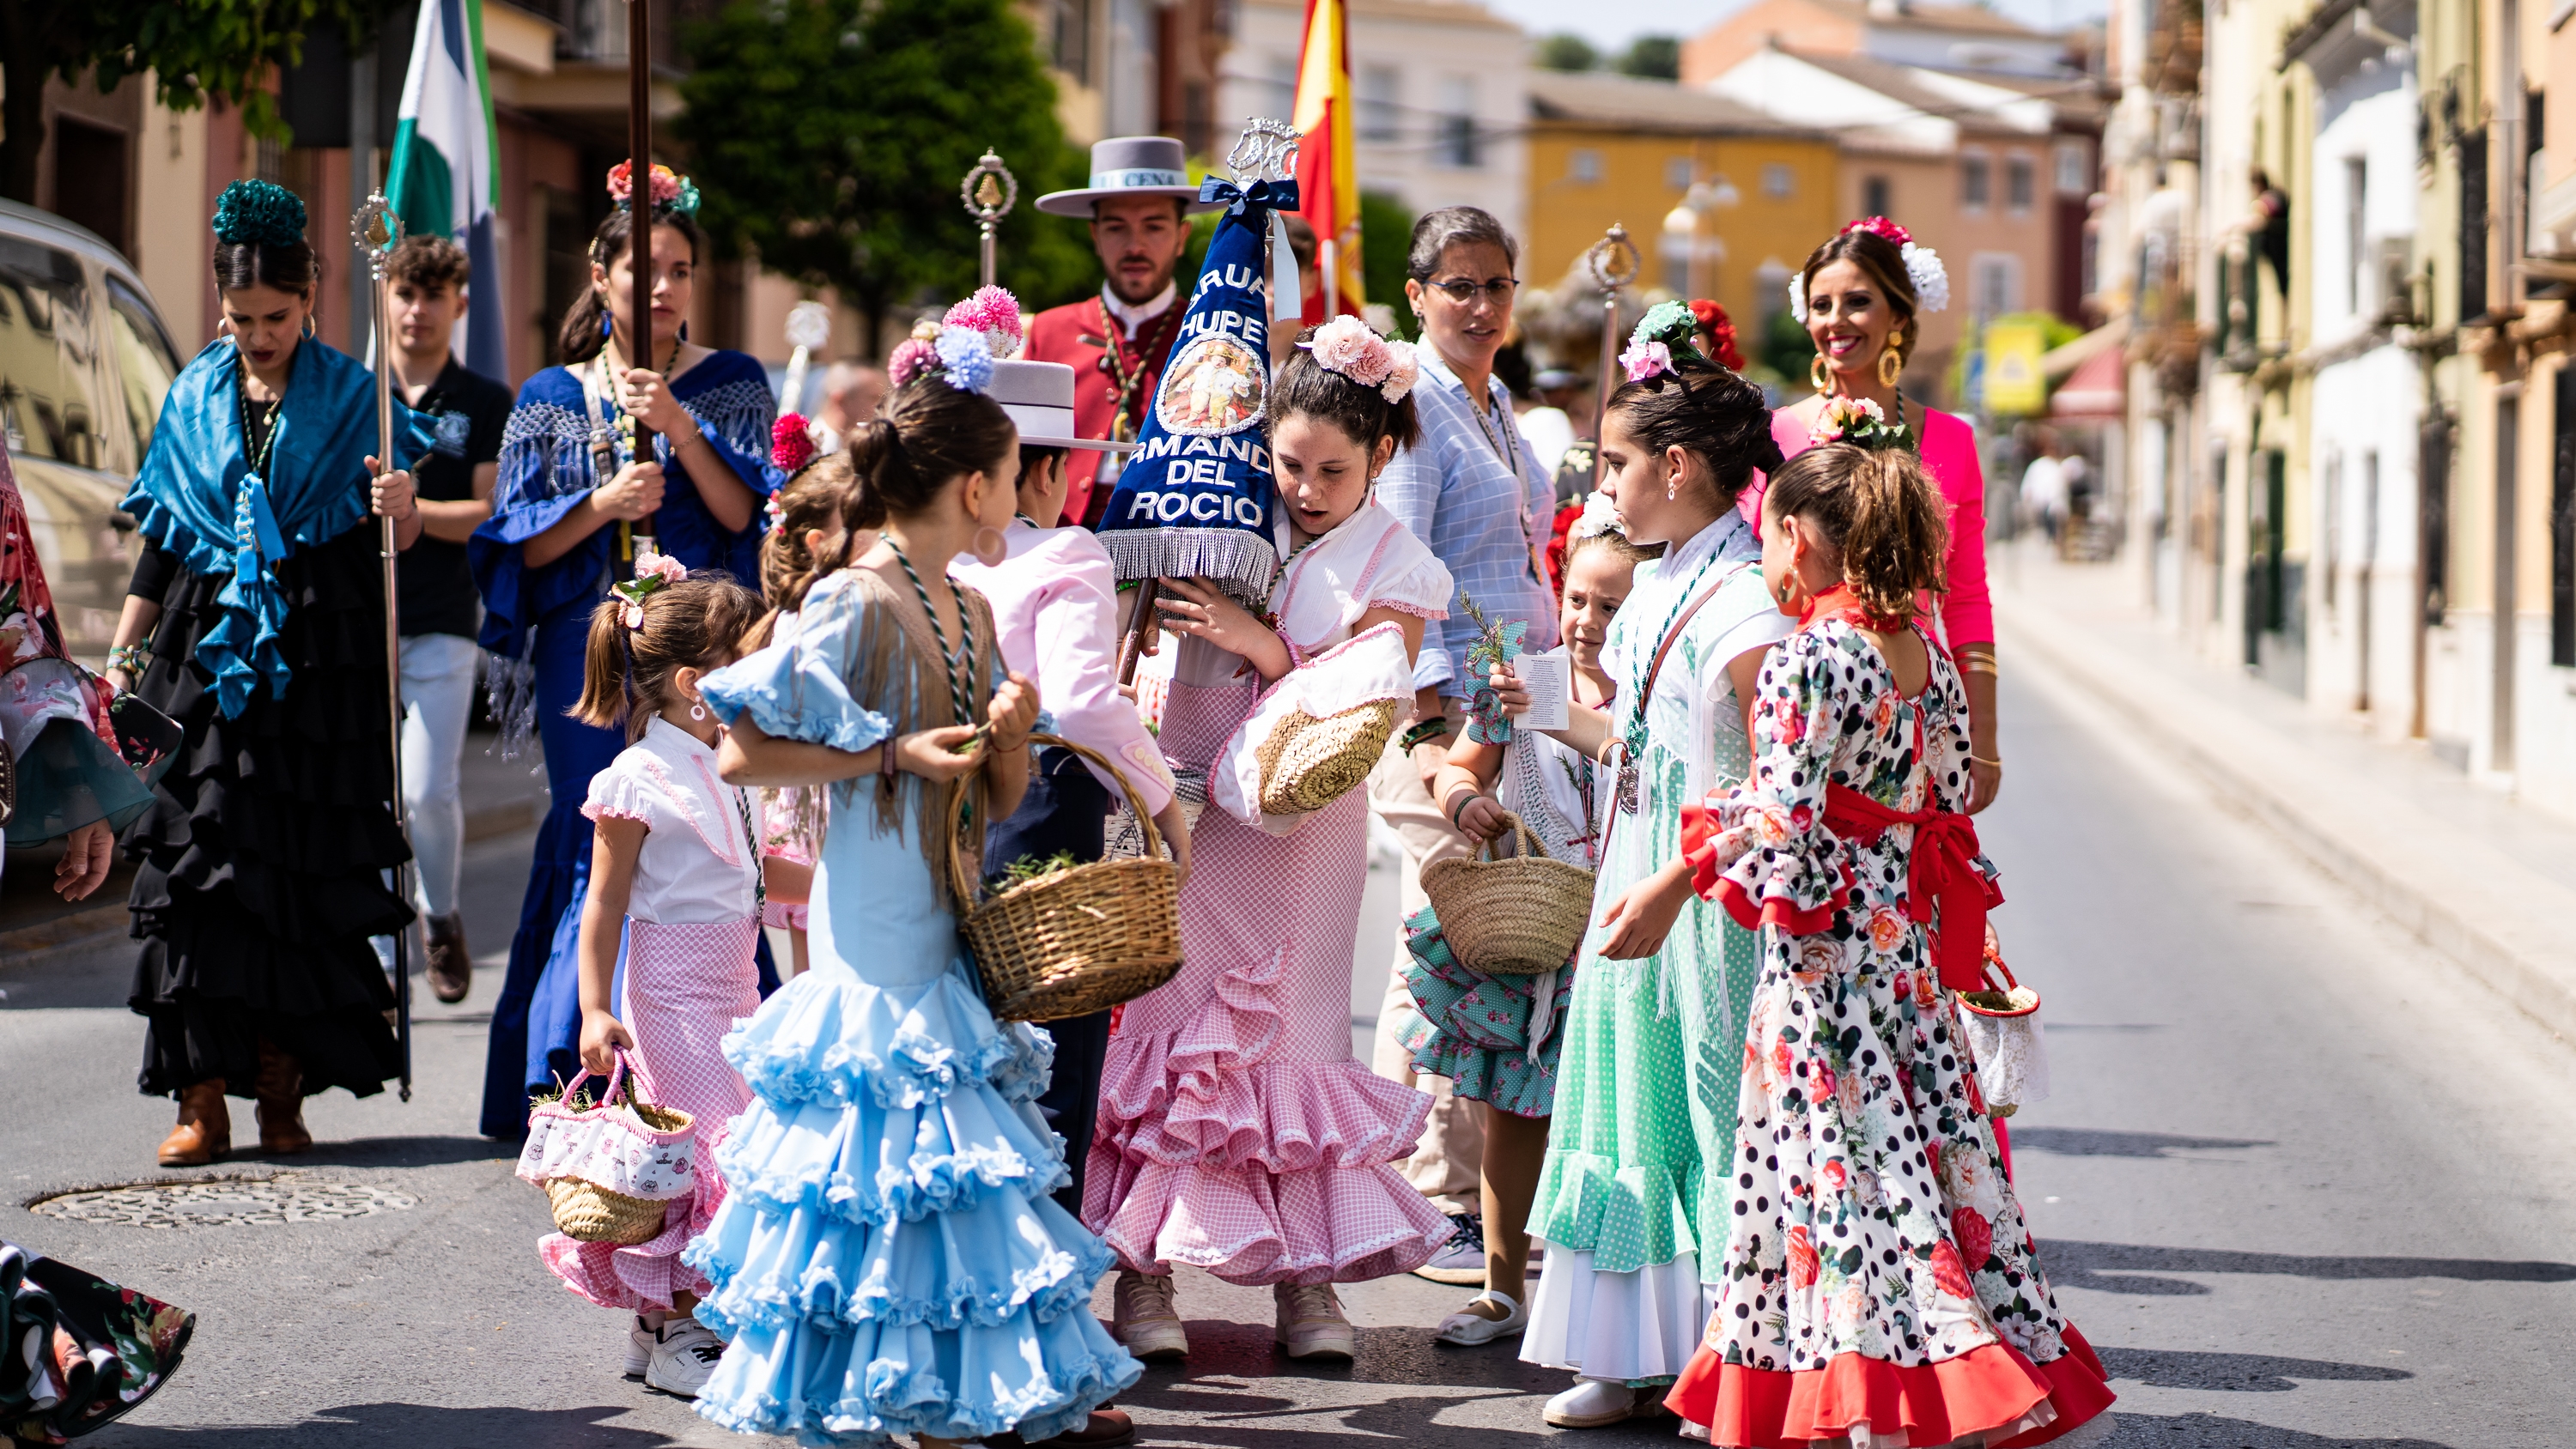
2536	984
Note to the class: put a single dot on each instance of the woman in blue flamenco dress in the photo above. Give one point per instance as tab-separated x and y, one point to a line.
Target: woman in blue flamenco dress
564	526
889	1259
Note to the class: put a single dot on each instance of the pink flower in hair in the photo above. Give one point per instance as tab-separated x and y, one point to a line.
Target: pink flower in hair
1351	347
908	359
1403	370
664	181
661	566
1880	226
791	443
1646	358
994	312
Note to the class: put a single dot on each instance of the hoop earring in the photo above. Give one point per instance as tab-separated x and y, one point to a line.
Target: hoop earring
989	547
698	711
1891	366
605	324
1817	374
308	324
684	329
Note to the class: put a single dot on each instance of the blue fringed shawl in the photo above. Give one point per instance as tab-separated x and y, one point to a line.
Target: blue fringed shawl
195	495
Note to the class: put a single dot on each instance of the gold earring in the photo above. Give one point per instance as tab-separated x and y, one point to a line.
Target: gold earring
1891	366
1816	374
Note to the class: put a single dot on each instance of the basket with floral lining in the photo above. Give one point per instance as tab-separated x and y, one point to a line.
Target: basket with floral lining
610	1166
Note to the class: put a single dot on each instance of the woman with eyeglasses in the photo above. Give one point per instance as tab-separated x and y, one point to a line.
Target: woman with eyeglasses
1473	490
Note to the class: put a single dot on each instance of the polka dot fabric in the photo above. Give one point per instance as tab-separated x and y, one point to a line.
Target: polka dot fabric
1876	1270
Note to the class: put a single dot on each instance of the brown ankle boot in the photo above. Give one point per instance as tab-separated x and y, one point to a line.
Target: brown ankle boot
281	1102
205	1130
451	969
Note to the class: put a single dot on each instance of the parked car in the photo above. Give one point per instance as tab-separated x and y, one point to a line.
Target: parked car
85	360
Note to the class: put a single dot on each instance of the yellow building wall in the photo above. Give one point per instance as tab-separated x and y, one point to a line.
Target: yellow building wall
1637	174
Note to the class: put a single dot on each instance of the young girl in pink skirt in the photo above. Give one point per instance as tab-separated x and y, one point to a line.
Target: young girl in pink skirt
676	871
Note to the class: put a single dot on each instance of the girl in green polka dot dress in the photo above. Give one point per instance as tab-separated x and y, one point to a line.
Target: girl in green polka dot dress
1631	1220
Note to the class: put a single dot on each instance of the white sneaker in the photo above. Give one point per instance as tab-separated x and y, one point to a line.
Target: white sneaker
684	1357
639	1349
1592	1403
1144	1318
1311	1324
1467	1328
1696	1433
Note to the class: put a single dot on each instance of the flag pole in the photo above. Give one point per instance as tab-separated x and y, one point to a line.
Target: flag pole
1613	262
375	227
639	206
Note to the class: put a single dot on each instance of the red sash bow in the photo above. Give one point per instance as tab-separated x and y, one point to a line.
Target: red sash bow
1943	871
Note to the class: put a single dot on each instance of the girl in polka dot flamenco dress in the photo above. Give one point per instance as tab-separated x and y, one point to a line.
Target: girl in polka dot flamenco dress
1879	1285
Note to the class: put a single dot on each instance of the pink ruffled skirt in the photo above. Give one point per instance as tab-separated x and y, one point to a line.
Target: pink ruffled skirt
686	985
1236	1132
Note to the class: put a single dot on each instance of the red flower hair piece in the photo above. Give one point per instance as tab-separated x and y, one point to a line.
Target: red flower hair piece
1720	328
791	446
1881	227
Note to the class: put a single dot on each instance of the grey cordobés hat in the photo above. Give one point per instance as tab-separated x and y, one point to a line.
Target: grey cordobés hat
1130	166
1039	398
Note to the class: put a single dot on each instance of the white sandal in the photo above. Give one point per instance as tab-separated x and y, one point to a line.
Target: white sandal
1467	1330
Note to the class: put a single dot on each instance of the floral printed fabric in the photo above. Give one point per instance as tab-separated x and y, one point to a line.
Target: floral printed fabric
80	1350
1873	1231
1475	1029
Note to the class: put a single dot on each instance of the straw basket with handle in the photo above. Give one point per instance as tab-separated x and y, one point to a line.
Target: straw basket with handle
612	1169
1079	940
2001	1024
1308	763
1516	915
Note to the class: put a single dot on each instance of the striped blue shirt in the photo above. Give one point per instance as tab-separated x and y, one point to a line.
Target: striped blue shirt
1482	509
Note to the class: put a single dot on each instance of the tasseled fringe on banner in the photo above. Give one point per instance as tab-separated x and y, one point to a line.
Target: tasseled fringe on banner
510	693
1243	564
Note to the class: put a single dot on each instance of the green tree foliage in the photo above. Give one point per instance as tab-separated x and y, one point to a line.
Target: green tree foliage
1567	51
831	136
194	48
1386	235
1655	57
1786	349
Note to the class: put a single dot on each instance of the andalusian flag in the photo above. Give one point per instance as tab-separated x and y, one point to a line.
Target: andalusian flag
446	172
1327	173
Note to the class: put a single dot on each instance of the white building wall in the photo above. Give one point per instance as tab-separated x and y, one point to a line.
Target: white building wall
1435	67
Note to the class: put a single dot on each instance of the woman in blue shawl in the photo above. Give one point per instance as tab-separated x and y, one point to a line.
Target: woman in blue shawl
256	620
562	529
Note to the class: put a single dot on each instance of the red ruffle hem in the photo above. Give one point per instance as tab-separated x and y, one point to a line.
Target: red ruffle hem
1988	1388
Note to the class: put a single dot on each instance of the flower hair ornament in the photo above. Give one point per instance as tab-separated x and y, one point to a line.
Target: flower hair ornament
1922	267
671	192
1712	319
960	348
791	444
652	573
1662	340
1599	516
261	213
1857	421
1352	348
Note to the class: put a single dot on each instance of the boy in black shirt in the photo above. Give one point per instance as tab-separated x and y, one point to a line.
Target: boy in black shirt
439	612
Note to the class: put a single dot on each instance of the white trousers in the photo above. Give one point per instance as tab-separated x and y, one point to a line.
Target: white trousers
438	701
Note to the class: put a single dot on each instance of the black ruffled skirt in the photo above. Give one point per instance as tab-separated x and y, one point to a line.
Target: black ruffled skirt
260	864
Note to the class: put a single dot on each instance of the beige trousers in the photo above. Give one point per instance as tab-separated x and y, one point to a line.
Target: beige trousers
1448	1159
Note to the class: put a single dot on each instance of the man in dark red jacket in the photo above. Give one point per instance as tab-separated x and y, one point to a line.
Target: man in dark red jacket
1138	204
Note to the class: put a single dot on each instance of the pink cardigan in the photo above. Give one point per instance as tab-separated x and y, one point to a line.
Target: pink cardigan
1950	456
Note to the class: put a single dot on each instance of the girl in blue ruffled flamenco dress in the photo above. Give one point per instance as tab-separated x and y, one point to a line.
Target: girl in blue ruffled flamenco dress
888	1259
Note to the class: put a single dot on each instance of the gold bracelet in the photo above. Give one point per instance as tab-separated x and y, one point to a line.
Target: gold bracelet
1980	664
1976	758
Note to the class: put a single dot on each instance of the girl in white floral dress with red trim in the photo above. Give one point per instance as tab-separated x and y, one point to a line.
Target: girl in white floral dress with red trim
1880	1286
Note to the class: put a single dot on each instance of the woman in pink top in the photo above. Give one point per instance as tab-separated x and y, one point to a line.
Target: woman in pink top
1858	295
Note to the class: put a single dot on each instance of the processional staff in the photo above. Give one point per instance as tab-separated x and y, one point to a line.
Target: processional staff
639	208
1613	262
376	227
989	191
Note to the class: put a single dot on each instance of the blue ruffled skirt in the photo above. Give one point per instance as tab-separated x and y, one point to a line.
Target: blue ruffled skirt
1475	1029
889	1259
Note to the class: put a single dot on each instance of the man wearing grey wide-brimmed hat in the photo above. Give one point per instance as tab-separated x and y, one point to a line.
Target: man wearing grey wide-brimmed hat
1138	203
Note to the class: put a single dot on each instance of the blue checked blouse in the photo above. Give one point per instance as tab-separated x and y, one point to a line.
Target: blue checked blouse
1482	511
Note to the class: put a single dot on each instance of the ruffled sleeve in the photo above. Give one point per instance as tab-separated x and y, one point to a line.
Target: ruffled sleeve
1413	581
798	687
623	792
1763	851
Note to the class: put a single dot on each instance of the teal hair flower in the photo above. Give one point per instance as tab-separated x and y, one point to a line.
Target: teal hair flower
687	204
1669	323
259	212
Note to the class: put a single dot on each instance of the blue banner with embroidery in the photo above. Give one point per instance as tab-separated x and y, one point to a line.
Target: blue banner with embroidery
1197	499
196	496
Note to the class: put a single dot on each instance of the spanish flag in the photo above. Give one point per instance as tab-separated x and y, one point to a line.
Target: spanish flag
1327	172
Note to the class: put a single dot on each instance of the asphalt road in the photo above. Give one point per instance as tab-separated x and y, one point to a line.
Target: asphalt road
2302	1184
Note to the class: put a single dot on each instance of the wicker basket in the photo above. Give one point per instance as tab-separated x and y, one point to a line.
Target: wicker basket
1515	916
1081	940
1308	763
588	1213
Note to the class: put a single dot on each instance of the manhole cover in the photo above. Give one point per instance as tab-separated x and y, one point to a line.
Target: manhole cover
219	1204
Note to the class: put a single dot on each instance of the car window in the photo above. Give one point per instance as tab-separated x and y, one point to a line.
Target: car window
46	360
144	359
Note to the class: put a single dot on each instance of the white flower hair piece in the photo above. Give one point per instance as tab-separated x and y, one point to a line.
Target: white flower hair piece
1352	348
1599	516
1798	296
1931	279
